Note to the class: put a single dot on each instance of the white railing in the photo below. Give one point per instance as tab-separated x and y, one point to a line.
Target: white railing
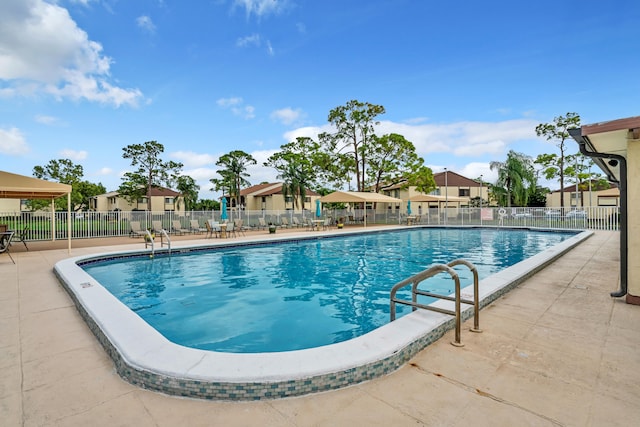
105	224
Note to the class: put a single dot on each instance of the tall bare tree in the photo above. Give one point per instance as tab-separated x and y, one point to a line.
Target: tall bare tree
558	131
151	171
354	124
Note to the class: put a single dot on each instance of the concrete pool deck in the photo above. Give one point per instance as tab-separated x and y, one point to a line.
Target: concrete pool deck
555	351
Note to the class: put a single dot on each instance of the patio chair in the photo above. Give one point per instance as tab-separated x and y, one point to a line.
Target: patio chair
136	230
213	227
22	237
311	226
326	223
239	226
284	222
177	227
231	229
296	222
196	228
5	243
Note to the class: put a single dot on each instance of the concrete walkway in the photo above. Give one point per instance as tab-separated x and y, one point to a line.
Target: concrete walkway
558	350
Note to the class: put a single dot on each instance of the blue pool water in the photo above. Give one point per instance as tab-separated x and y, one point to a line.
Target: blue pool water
301	294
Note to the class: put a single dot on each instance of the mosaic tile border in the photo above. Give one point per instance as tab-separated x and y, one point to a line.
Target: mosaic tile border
212	390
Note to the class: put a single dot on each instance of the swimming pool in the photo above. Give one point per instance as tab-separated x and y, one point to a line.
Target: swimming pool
301	294
146	358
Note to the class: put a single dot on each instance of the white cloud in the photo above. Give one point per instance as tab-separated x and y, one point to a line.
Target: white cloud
255	40
262	8
287	116
73	154
258	172
237	107
105	171
12	142
146	23
191	159
46	120
228	102
307	131
473	170
44	51
252	40
463	138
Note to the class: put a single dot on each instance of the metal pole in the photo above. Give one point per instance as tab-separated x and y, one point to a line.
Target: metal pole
590	179
446	197
576	199
480	199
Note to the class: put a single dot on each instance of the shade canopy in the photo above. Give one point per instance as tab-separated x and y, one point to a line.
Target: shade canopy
13	186
357	197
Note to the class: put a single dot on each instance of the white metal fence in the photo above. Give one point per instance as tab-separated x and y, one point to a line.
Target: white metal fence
38	226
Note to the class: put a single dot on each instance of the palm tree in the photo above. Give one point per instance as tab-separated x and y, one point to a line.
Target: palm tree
516	178
234	172
297	179
296	167
189	189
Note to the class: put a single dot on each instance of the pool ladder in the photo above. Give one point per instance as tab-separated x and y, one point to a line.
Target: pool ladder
415	280
148	240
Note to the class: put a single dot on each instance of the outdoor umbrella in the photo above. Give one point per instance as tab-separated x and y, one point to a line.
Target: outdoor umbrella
318	211
223	209
409	207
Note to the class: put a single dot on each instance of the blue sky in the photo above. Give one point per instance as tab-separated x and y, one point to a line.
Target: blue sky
465	82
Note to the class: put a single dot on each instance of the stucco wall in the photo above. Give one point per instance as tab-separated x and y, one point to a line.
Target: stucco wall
633	194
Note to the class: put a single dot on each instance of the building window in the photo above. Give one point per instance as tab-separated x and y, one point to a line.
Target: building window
168	200
464	192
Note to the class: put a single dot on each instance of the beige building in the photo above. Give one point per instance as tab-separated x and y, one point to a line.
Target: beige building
452	190
614	146
10	206
609	197
269	196
162	200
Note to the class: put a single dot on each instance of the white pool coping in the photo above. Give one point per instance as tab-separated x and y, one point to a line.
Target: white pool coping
143	348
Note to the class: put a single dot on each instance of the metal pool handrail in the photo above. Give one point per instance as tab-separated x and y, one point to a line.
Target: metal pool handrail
148	240
415	280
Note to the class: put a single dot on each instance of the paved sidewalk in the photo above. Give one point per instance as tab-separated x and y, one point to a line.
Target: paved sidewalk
558	350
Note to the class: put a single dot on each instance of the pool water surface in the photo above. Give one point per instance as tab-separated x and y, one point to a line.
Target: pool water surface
300	294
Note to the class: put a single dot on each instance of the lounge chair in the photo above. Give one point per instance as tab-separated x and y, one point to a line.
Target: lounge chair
157	226
196	228
284	222
5	243
296	222
177	227
136	230
261	223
